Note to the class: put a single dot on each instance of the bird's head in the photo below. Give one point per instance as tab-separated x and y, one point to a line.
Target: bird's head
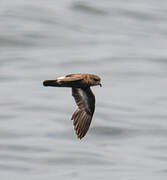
95	80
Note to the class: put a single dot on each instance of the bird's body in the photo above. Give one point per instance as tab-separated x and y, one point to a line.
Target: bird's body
83	95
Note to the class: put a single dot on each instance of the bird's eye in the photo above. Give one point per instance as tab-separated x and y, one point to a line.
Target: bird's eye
96	79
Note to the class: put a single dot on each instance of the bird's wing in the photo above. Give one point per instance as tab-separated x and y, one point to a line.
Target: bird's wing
71	77
71	80
82	117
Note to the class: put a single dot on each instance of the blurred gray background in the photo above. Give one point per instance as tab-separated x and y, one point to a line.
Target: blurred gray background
125	43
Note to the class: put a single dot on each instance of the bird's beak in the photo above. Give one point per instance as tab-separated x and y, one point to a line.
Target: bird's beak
100	85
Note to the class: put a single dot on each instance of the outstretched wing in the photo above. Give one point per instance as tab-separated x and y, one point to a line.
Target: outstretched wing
70	80
82	117
71	77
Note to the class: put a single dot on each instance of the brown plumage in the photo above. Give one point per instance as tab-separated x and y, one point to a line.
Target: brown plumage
83	95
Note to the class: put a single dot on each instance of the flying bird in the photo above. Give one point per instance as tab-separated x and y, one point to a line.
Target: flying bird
83	95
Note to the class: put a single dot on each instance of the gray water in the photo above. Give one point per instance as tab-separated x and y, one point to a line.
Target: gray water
124	42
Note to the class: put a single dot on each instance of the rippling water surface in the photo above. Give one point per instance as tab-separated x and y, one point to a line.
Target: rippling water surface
124	42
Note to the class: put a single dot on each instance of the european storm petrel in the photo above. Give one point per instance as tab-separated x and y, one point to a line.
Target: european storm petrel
83	95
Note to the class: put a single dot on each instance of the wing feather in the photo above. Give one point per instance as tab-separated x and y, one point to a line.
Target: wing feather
71	80
82	117
71	77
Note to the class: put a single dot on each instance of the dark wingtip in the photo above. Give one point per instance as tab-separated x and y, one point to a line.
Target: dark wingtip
53	83
45	83
80	137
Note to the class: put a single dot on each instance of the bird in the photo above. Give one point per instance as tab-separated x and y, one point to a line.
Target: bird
83	96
